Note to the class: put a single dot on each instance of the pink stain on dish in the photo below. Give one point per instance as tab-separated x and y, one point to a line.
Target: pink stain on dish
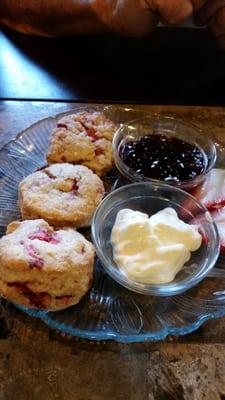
45	236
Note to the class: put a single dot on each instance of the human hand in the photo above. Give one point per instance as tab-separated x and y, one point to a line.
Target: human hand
139	17
212	14
68	17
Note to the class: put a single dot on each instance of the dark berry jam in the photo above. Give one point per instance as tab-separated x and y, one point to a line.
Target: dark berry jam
164	158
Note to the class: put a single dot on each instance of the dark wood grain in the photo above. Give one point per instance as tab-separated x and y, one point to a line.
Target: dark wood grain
38	363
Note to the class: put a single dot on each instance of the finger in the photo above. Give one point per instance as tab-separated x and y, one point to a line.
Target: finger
133	18
208	10
173	12
217	23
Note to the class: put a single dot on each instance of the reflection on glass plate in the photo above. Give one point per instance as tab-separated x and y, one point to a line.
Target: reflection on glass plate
108	311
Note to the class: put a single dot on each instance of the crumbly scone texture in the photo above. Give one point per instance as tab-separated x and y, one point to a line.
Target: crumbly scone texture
62	194
83	138
44	268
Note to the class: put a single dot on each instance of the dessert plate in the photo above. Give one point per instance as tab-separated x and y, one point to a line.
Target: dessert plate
108	311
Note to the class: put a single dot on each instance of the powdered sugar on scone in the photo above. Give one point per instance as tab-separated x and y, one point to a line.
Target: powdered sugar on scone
41	267
62	194
83	138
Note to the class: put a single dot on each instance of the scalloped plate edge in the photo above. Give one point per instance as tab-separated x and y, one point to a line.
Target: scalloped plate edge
134	338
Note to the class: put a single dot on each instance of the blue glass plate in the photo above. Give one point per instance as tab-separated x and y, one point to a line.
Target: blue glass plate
108	311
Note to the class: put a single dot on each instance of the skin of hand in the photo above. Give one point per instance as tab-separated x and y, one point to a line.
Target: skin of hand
68	17
212	14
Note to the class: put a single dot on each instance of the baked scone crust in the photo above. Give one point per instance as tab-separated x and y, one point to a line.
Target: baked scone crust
83	138
44	268
62	194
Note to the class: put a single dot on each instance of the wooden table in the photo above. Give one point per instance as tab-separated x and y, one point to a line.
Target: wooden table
37	363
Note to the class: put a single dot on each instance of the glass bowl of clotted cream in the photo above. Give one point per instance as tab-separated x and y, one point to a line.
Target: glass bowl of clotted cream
155	239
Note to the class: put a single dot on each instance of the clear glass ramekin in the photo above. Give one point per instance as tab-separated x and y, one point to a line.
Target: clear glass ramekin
150	198
169	126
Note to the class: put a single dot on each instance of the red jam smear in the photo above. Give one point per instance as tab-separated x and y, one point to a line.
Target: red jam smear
99	152
90	131
39	300
61	125
45	235
91	134
35	260
164	158
75	186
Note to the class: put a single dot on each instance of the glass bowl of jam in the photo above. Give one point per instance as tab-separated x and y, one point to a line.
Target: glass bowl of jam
152	198
163	149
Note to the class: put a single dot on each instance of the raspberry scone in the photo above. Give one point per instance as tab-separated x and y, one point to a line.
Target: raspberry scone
83	138
62	194
44	268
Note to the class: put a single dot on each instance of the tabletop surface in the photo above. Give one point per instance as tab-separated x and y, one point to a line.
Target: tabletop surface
39	363
172	66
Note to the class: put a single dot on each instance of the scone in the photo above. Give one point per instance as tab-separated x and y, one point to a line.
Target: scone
43	268
83	138
62	194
